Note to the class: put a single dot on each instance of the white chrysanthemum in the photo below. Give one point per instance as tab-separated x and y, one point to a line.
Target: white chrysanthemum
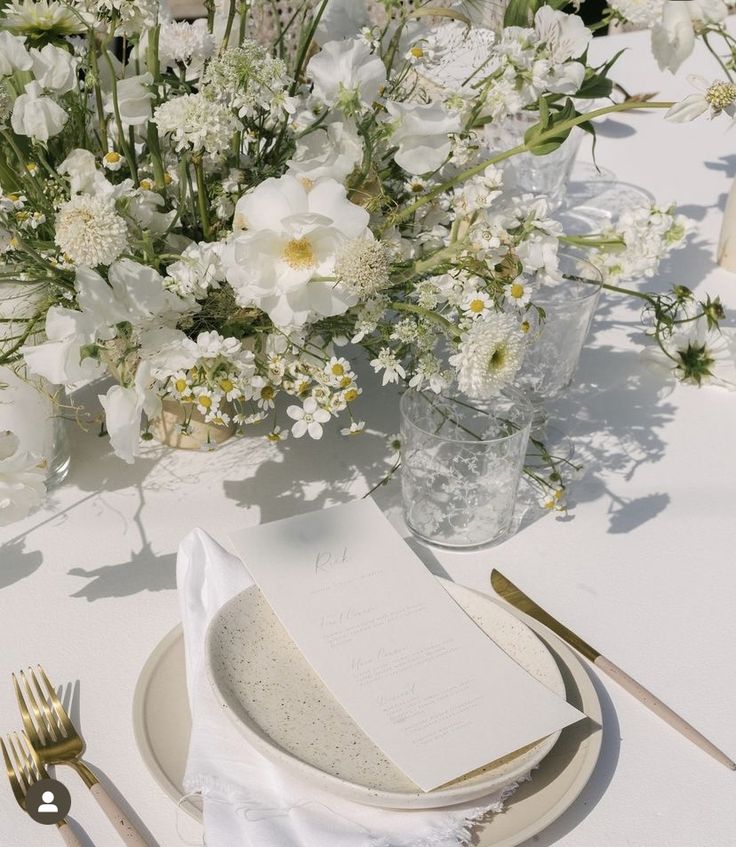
90	232
22	485
182	43
41	18
489	355
196	123
363	267
246	78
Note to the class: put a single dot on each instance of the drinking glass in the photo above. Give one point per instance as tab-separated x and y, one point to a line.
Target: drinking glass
556	339
462	460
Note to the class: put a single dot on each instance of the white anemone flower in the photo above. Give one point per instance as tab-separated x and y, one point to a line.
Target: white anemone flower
346	73
37	116
421	131
715	98
22	486
282	255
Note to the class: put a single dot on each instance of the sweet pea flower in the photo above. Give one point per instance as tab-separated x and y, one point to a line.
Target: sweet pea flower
36	115
421	132
347	74
13	54
55	69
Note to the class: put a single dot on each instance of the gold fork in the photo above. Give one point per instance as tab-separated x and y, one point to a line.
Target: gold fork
54	737
26	770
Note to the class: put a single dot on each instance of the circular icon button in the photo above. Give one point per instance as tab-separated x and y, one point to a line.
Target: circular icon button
48	801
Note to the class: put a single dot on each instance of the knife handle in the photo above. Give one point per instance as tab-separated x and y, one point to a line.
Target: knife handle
646	698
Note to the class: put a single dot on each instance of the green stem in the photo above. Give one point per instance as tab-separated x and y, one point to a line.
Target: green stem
305	45
98	96
554	132
229	24
448	326
202	202
119	122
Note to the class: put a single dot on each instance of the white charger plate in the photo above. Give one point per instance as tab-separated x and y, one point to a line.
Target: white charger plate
278	702
162	724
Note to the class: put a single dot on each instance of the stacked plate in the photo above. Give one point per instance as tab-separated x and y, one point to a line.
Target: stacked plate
284	710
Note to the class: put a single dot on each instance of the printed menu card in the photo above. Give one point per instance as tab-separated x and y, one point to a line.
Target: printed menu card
416	674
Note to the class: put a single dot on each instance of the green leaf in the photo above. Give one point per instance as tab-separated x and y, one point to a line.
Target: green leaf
518	13
595	86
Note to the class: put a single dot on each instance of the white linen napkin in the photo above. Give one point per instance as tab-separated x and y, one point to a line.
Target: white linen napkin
249	801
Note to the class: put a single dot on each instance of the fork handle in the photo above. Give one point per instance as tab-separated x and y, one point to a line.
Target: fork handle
68	836
117	818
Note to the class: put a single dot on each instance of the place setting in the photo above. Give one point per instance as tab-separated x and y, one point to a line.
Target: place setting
357	355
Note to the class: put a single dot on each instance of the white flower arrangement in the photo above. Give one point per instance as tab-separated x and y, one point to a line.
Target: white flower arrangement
209	218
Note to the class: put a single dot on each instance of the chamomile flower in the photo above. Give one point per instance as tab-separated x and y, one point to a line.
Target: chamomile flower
207	401
477	304
229	388
277	434
308	419
112	161
355	428
519	293
336	370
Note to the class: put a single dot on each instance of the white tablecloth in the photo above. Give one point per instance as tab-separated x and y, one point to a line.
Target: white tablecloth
643	567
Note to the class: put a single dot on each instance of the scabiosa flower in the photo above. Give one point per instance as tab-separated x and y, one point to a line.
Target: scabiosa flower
196	123
246	78
89	231
489	355
363	267
184	43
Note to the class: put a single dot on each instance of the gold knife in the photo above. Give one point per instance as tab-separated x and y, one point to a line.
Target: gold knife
521	601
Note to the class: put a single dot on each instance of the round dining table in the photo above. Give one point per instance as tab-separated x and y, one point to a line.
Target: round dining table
643	565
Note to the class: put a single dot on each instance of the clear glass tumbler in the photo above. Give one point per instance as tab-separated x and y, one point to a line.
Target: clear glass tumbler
556	340
529	174
462	460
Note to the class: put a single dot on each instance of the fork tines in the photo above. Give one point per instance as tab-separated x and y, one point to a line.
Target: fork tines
25	768
46	720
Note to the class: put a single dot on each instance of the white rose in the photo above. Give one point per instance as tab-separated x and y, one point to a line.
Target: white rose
13	54
37	116
55	69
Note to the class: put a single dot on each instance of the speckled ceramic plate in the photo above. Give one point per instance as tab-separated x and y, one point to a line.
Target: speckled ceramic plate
285	710
162	724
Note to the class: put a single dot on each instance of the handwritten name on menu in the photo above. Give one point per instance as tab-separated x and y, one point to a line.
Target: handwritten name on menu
418	676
